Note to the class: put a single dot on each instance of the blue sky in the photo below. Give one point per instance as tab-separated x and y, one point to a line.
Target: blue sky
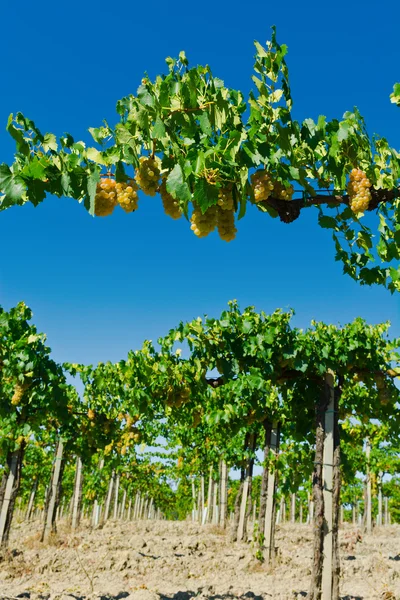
98	287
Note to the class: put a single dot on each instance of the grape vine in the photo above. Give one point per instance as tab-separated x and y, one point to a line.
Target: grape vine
202	146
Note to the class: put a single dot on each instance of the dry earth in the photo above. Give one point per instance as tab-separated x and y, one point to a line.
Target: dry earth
164	560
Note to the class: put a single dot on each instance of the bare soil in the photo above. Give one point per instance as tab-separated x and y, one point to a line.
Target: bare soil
164	560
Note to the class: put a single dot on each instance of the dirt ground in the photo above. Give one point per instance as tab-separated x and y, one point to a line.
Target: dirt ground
164	560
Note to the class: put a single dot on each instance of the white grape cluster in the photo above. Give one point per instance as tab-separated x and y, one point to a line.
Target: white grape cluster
358	190
203	224
171	206
282	192
127	195
106	197
148	174
226	224
225	198
19	391
109	193
262	185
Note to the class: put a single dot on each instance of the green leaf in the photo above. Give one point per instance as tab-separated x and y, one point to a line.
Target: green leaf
92	181
158	130
364	240
18	136
96	156
328	222
205	124
144	96
49	142
260	50
395	95
182	58
205	195
11	185
343	131
177	186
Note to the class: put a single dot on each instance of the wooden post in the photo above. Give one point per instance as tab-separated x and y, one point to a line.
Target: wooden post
243	509
150	508
43	512
311	511
11	479
342	514
209	496
77	494
54	486
215	504
301	512
386	502
222	502
115	514
369	498
128	516
144	508
380	503
123	506
283	509
199	509
270	520
96	512
28	513
193	501
293	509
135	506
202	513
109	496
141	504
327	474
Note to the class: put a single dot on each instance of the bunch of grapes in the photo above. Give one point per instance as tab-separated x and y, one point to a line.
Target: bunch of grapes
171	206
106	197
262	185
225	198
127	195
147	175
283	192
203	224
226	224
19	391
358	190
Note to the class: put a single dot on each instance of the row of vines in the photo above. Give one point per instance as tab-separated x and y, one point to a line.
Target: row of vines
157	434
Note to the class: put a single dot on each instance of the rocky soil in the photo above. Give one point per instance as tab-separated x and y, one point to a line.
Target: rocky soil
161	560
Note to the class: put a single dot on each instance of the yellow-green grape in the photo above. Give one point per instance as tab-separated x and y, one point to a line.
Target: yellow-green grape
225	198
282	192
171	206
203	224
127	195
147	175
262	185
226	224
358	190
106	197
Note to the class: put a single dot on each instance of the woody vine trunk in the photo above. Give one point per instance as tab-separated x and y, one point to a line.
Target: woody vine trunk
336	494
236	518
318	498
14	466
267	425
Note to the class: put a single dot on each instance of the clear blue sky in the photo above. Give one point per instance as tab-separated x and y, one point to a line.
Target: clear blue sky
98	287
